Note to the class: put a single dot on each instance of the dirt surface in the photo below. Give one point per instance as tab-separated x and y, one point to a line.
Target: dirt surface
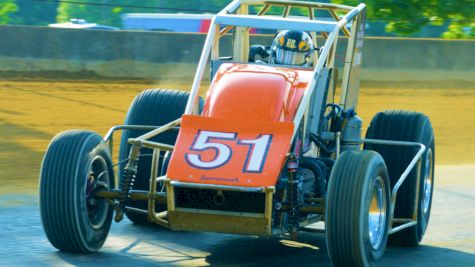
449	240
31	113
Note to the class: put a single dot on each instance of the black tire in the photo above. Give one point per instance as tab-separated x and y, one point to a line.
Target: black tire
357	179
154	107
318	175
75	221
414	127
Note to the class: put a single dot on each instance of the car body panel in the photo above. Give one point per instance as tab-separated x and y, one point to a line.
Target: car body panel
256	92
230	152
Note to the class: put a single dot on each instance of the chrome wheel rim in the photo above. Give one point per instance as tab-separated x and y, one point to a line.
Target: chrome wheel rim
98	178
427	182
377	213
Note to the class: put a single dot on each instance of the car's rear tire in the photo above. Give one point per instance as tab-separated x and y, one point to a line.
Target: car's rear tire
154	107
76	164
357	209
414	127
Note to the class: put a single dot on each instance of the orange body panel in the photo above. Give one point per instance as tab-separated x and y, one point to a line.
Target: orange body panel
256	92
244	132
230	152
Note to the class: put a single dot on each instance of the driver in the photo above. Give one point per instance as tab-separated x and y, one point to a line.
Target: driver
292	48
288	48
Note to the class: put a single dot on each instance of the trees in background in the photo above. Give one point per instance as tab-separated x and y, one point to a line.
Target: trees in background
402	17
35	13
97	14
405	17
7	8
27	12
108	12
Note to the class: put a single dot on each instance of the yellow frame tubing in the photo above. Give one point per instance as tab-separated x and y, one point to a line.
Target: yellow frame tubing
241	51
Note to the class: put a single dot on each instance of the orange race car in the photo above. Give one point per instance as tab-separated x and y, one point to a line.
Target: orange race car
274	148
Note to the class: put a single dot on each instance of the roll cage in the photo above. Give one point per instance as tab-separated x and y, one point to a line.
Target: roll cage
236	17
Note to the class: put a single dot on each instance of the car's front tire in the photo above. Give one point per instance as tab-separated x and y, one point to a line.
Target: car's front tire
357	209
77	164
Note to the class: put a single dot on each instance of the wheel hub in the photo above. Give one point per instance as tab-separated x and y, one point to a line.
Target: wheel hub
427	182
377	213
98	179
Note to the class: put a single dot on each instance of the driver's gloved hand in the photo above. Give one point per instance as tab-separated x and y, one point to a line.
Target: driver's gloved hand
259	50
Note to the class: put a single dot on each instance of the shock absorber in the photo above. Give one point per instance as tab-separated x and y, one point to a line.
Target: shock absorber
128	179
293	196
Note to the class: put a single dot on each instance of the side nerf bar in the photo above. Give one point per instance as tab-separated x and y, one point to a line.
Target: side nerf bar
405	222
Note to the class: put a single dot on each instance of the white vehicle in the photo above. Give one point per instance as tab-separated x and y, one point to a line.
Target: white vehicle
81	24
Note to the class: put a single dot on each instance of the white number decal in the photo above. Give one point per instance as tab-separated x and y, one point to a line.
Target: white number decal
257	154
203	142
255	158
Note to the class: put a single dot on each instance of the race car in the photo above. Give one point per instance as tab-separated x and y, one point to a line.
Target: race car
274	147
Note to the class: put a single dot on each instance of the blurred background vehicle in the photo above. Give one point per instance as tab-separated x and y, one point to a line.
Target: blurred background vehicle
81	24
166	22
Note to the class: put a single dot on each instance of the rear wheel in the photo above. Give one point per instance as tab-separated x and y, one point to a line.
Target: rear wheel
76	165
154	107
357	209
414	127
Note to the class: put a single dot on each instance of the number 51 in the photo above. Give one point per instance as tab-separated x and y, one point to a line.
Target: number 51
255	159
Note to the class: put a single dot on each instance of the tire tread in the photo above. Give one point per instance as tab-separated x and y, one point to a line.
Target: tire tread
344	204
153	107
59	184
402	125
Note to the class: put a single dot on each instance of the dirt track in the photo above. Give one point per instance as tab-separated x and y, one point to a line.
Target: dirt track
31	113
449	241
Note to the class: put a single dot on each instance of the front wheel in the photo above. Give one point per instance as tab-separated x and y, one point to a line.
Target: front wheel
357	209
152	107
409	126
76	165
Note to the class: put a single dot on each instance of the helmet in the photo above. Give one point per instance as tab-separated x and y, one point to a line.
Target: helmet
292	48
